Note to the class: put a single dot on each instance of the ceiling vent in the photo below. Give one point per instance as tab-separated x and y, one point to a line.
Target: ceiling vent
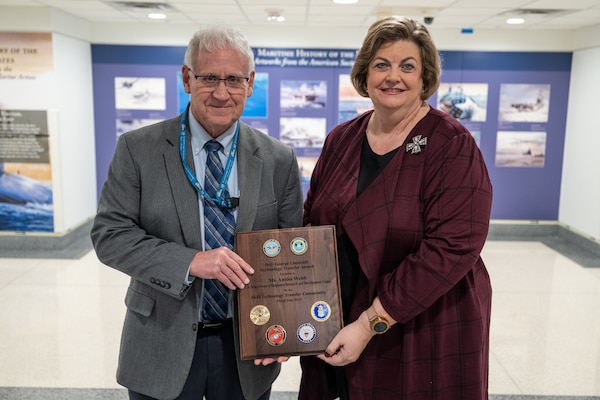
140	6
536	11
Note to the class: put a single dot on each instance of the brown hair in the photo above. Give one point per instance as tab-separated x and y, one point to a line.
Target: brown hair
392	29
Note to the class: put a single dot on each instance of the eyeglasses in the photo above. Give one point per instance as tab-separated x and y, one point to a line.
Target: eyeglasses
232	83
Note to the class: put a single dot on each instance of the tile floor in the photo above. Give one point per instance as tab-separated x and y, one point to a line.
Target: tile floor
60	322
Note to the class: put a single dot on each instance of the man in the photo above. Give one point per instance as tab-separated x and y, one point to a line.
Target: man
166	223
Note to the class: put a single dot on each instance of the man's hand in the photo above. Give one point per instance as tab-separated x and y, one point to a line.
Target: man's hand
222	264
267	361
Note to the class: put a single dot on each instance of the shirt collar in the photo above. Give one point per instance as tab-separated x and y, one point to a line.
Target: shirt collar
200	136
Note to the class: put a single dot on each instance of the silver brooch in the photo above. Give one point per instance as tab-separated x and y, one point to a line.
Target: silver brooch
415	146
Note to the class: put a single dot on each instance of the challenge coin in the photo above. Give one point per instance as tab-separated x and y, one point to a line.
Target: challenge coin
271	248
275	335
306	333
299	246
260	315
320	311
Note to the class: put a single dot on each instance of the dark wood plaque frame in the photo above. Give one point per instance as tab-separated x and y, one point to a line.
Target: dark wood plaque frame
292	305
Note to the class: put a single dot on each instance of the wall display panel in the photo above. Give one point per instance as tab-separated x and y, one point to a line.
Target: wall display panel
350	104
126	97
139	93
522	137
524	103
464	101
257	105
27	201
514	105
26	196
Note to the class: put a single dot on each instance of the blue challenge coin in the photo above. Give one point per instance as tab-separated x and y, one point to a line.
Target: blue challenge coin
320	311
299	246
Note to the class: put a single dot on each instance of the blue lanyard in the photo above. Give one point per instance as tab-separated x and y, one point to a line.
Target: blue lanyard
231	202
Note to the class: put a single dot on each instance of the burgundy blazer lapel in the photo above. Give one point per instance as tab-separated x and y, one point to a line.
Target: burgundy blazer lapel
367	217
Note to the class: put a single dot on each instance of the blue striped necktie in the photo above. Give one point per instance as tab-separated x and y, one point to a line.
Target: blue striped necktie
219	228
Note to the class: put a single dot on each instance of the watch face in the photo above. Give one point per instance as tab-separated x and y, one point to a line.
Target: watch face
380	327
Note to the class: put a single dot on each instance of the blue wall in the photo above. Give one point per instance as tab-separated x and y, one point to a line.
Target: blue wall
522	190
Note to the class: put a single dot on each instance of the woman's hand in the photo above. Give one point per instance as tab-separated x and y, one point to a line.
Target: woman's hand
349	343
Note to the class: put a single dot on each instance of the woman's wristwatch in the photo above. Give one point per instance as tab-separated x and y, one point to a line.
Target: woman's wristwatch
378	324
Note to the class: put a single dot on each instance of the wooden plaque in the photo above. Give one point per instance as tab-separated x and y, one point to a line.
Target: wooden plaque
292	305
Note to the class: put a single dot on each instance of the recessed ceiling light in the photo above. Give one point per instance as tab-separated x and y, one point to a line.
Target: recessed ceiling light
157	16
345	1
515	21
275	16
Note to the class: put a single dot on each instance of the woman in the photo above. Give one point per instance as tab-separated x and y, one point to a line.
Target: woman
408	191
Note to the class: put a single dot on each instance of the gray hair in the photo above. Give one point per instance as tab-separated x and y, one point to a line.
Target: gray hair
218	37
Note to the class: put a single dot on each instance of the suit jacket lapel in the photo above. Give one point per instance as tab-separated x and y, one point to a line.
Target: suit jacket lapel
249	177
184	194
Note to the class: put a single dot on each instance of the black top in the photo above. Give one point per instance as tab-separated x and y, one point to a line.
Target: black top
371	165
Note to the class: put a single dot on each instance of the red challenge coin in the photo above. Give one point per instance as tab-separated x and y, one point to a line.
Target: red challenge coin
275	335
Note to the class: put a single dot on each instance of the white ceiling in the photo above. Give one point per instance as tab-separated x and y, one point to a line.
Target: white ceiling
448	14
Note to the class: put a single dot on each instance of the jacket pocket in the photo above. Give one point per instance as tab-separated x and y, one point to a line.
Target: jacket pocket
139	302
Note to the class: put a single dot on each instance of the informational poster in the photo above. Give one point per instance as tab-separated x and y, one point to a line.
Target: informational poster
300	94
25	175
26	67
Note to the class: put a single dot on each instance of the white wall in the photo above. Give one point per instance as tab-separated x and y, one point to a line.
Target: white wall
580	191
42	19
74	167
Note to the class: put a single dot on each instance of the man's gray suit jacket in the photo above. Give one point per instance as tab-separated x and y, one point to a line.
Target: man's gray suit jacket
148	227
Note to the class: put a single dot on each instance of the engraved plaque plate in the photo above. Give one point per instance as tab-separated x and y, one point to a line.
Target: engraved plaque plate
292	305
